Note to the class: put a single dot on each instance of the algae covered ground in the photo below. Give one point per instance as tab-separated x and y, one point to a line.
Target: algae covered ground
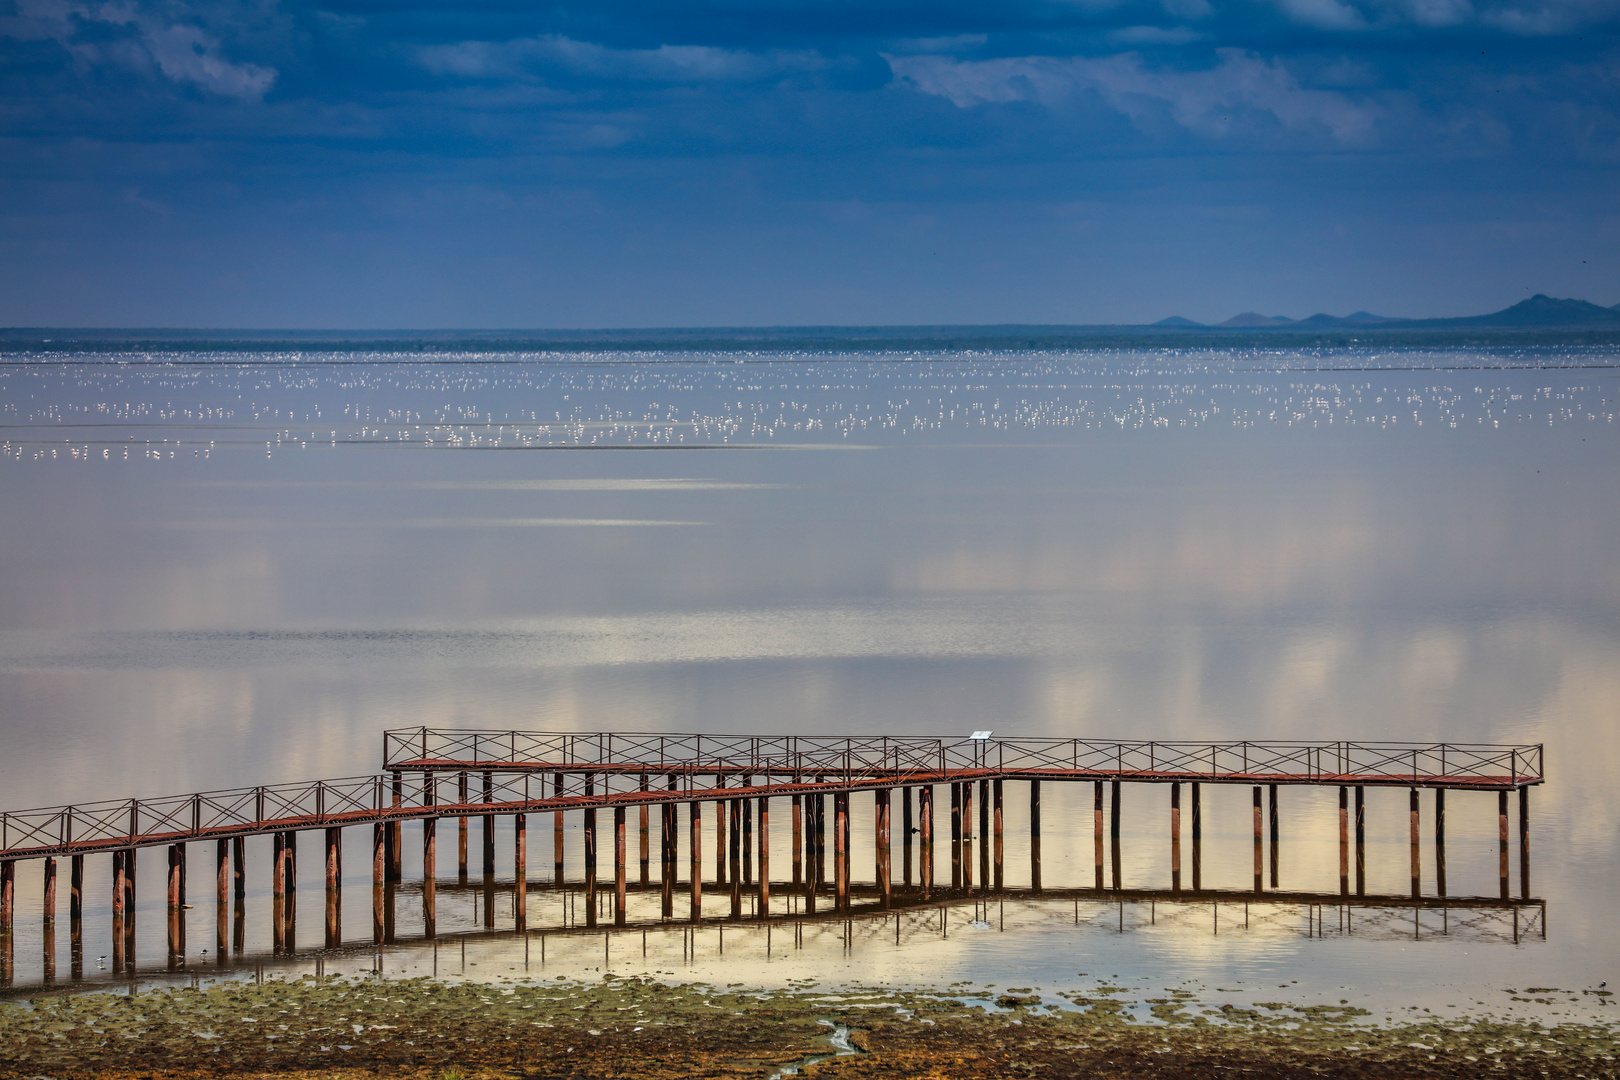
642	1027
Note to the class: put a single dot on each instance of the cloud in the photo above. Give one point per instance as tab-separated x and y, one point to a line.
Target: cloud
1323	14
667	63
1204	101
180	51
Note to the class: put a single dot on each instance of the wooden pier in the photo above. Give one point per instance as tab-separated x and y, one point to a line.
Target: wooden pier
429	775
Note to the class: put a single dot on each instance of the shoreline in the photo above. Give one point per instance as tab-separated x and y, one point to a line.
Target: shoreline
641	1026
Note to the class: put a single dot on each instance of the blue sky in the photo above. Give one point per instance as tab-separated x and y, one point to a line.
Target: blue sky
492	163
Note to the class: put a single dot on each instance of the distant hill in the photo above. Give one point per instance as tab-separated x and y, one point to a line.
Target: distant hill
1176	321
1250	319
1537	313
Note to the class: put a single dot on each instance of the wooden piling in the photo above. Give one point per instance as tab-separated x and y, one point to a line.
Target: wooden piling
334	887
1417	864
1259	852
620	910
906	829
1276	836
489	826
76	893
1344	840
1035	835
646	840
520	865
1113	832
764	857
8	896
841	849
956	835
737	849
984	835
1524	842
396	834
880	807
1097	832
695	848
590	863
670	853
1361	841
746	809
1197	837
278	891
379	878
1440	841
461	827
798	842
925	867
430	871
1175	837
130	864
47	903
557	831
997	815
820	838
813	856
118	895
967	837
1502	841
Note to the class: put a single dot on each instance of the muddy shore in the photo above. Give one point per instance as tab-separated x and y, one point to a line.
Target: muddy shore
638	1027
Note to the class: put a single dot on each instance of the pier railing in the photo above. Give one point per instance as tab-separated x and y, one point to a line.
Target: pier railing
1472	765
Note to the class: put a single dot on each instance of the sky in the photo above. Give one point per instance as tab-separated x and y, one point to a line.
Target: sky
507	164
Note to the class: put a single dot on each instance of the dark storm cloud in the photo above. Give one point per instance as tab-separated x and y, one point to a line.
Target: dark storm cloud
391	140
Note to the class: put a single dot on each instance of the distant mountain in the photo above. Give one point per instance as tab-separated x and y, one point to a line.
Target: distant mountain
1250	319
1178	321
1538	311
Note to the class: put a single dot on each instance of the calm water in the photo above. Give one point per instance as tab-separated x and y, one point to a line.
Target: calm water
234	570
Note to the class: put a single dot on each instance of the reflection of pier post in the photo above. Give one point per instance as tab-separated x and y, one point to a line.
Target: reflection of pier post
1035	835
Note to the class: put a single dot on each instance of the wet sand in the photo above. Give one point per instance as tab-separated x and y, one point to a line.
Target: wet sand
623	1027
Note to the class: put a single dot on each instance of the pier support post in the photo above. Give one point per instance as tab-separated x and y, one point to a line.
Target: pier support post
905	836
47	909
1276	836
1097	832
1197	837
984	835
841	849
334	888
998	855
1440	841
798	843
1259	851
76	918
880	807
520	865
379	878
620	910
177	876
222	898
967	837
8	896
119	888
670	852
695	850
430	874
396	834
461	827
1113	831
1175	837
1361	841
1417	864
489	827
1524	842
130	862
721	840
925	809
557	831
956	836
764	857
590	863
745	809
644	823
278	892
1035	835
1344	840
1502	841
738	848
821	838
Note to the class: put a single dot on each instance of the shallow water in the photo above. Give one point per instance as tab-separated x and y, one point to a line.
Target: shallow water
221	571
